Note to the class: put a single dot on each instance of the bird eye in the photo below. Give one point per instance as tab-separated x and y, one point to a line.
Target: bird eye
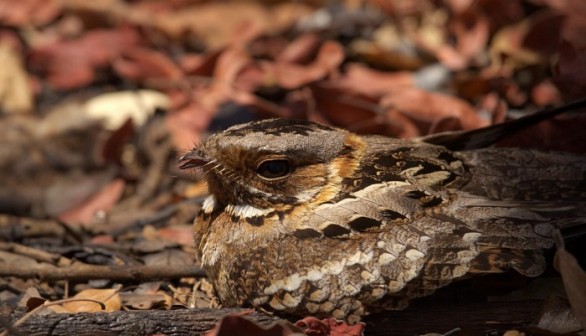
273	169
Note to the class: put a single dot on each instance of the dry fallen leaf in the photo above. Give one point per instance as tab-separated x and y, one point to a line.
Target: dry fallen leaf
574	278
70	64
557	317
180	234
361	79
239	325
103	200
431	107
329	326
141	64
290	76
28	12
108	297
15	92
115	108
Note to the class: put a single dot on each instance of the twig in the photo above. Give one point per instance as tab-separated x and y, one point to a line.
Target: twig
36	254
83	272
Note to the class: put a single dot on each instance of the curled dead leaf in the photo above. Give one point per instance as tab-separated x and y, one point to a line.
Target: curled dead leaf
140	64
70	64
361	79
327	61
105	300
429	107
574	278
240	325
16	94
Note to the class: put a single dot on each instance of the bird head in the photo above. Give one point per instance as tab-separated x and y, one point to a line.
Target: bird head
271	162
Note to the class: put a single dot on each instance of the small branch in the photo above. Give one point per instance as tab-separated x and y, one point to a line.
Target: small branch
471	319
83	272
36	254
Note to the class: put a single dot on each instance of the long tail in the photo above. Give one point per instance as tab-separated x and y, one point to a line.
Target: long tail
487	136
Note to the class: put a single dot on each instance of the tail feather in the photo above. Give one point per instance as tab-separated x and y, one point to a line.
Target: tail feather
487	136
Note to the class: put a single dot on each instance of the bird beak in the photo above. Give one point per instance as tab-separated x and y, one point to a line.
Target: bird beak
193	159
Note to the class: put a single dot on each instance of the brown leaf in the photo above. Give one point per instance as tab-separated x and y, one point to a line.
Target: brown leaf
169	257
384	56
147	296
140	64
574	278
28	12
200	65
300	50
187	124
506	51
108	297
545	94
16	94
229	64
344	109
31	299
315	327
399	126
471	31
329	58
104	200
429	108
361	79
239	325
180	234
213	22
71	64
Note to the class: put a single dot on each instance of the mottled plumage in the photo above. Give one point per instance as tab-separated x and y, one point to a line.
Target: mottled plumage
312	220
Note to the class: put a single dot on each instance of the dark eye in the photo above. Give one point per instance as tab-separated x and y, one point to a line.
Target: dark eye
273	169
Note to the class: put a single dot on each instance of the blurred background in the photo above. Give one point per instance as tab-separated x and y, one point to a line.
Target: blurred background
99	98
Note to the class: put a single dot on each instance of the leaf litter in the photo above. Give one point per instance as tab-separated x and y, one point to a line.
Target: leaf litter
97	100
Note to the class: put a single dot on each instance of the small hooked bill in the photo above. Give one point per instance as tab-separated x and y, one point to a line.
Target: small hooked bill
191	160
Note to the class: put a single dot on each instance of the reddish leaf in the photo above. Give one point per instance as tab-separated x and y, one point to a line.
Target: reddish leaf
574	278
112	148
140	64
471	32
238	325
104	200
200	65
361	79
329	58
344	109
28	12
329	327
546	94
108	297
182	235
71	64
300	50
230	63
186	125
429	107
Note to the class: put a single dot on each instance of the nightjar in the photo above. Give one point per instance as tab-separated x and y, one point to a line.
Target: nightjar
307	219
